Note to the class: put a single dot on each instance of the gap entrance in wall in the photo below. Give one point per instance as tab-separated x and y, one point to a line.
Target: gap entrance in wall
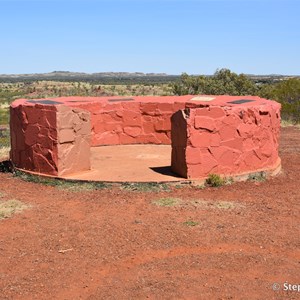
129	163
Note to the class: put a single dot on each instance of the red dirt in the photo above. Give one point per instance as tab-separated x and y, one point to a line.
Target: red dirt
122	246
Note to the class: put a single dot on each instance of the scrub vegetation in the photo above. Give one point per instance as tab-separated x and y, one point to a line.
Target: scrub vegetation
285	90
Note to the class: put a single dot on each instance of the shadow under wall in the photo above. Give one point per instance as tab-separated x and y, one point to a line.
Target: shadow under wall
165	170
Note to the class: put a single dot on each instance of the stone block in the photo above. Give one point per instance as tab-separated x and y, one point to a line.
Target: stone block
66	136
131	118
204	139
203	122
133	131
163	124
193	155
149	108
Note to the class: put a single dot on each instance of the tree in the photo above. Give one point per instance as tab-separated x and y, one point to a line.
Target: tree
221	83
286	92
189	85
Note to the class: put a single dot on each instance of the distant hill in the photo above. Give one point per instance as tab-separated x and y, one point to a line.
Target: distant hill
117	77
103	77
72	74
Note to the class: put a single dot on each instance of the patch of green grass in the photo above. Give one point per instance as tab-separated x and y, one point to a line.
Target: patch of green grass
75	186
214	180
258	176
183	184
167	202
190	223
10	207
78	186
145	187
4	116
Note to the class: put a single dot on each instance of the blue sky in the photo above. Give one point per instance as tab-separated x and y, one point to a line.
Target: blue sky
170	36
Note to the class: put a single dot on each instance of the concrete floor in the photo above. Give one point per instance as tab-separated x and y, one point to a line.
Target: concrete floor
129	163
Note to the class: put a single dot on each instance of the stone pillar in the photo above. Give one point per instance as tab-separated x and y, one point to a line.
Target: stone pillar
50	139
73	140
179	143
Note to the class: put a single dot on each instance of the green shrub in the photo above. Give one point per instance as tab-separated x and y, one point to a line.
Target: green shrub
214	180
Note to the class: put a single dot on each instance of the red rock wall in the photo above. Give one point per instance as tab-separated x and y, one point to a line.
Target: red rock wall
124	122
221	138
225	140
34	138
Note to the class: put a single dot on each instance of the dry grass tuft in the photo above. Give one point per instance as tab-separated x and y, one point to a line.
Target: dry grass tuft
167	201
223	205
10	207
289	123
4	153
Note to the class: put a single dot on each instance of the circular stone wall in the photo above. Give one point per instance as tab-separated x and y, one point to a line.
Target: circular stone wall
209	134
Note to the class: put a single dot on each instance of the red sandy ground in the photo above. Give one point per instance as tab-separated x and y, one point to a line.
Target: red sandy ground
122	246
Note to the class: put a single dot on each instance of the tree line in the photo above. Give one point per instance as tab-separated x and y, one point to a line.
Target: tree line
226	82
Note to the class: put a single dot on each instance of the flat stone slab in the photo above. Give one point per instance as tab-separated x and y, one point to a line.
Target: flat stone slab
129	163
